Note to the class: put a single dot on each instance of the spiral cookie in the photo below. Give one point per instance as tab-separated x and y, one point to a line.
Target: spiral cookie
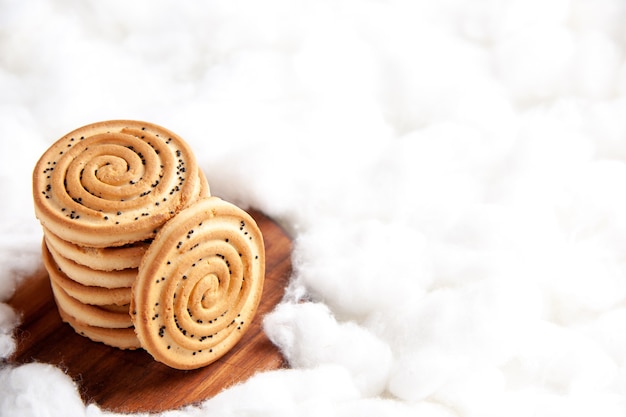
110	258
113	183
199	284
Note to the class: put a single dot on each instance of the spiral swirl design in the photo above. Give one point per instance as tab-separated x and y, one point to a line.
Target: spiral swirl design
199	284
113	183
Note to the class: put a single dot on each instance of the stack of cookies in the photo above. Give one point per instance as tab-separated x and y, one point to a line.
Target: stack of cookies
104	195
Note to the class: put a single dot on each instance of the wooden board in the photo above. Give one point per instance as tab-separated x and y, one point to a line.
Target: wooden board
131	381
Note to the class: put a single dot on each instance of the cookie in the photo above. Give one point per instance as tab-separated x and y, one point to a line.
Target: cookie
199	284
202	189
116	308
85	294
114	182
89	314
119	338
101	259
92	277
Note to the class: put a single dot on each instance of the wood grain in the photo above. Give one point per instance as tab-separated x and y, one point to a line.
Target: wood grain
131	381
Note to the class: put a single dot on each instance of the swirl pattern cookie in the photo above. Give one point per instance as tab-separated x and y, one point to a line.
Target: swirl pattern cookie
113	183
199	284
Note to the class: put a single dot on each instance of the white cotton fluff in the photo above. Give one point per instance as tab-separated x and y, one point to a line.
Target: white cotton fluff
23	260
592	216
8	320
563	371
562	360
602	332
540	402
597	63
451	333
375	407
534	62
389	260
600	124
20	232
309	336
488	21
38	390
293	392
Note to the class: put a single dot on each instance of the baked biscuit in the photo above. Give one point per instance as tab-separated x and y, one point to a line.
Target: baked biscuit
119	338
99	296
101	259
111	258
93	277
199	284
91	315
114	182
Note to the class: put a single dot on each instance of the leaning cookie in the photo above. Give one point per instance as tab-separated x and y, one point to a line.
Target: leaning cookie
115	182
199	284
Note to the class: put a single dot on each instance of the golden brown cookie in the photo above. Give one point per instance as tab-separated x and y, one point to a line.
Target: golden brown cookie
199	284
99	296
93	277
116	308
119	338
102	259
89	314
114	182
202	189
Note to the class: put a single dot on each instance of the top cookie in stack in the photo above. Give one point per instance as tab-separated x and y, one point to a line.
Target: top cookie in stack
101	193
114	183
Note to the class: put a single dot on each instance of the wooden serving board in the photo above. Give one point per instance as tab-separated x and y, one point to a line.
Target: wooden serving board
131	381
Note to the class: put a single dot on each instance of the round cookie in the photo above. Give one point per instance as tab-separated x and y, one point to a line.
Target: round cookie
202	189
85	294
101	259
114	182
89	314
111	258
93	277
199	284
119	338
117	308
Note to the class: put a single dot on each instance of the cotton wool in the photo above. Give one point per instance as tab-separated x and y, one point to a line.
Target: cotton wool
331	279
309	337
8	320
534	62
303	392
38	390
